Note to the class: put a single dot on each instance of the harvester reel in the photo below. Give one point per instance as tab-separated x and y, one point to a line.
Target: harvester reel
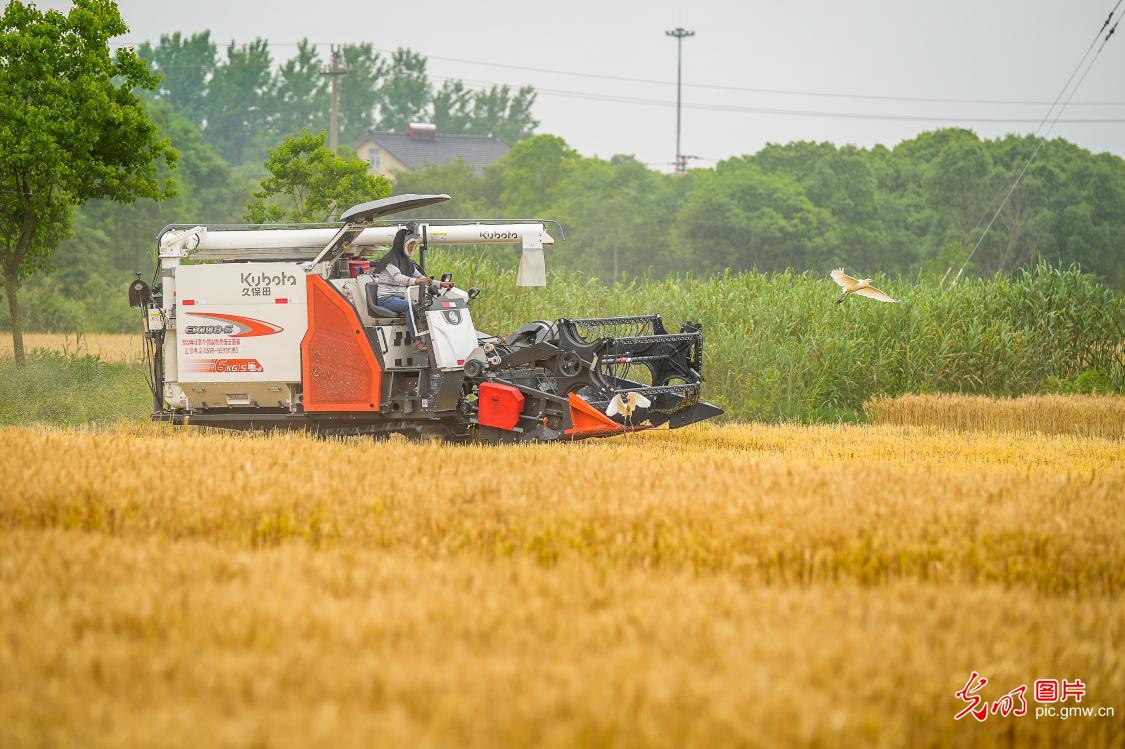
531	334
567	369
569	364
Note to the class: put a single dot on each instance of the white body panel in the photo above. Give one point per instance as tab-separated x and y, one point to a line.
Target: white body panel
453	337
240	322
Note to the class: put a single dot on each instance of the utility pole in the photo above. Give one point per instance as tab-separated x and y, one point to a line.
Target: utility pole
338	69
679	33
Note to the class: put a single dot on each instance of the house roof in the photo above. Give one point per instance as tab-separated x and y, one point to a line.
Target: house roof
478	151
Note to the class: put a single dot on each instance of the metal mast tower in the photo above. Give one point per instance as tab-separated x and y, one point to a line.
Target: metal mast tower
679	33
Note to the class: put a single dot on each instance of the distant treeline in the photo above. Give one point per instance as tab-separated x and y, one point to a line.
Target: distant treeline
903	211
243	103
917	207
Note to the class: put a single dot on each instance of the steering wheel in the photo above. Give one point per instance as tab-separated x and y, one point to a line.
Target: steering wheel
445	277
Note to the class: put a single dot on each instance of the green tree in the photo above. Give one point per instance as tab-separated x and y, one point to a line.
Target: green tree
406	92
741	218
496	111
359	90
300	93
207	191
473	195
615	212
240	106
453	108
307	182
532	174
957	183
111	240
505	115
72	130
185	65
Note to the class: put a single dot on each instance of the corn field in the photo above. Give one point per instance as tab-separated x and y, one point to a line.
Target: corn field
730	585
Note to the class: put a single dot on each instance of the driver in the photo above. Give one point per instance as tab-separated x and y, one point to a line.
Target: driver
394	272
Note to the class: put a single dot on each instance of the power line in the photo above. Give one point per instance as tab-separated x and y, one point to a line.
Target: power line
610	98
711	86
703	106
1042	140
758	90
1046	116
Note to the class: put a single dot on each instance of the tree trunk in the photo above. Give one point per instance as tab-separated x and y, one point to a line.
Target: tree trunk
10	287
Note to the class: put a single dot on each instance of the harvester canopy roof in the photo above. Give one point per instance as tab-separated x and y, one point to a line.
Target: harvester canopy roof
386	206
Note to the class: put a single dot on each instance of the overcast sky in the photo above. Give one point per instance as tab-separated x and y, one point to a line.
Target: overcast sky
1011	51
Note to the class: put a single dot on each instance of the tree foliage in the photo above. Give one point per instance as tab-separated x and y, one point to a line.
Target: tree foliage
300	92
243	106
185	65
241	102
918	207
307	182
496	111
111	240
71	130
405	93
359	90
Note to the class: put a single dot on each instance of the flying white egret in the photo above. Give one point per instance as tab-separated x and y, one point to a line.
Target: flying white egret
627	405
856	286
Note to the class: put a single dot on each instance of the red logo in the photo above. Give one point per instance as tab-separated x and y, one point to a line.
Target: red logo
246	327
1046	692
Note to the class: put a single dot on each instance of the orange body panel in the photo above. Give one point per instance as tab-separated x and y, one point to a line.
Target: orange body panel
338	368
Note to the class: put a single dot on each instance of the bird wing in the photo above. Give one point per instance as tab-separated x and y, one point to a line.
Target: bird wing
639	401
616	406
872	293
842	278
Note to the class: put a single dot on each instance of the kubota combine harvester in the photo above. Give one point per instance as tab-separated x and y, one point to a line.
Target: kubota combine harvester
259	327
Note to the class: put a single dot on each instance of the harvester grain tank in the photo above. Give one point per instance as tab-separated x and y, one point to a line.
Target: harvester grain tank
268	327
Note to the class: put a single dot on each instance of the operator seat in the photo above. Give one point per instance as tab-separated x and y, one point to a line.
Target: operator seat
372	293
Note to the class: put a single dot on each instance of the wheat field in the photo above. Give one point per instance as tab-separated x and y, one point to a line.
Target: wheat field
1090	415
731	585
110	347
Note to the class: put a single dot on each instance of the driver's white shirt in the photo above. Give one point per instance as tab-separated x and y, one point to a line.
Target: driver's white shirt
393	282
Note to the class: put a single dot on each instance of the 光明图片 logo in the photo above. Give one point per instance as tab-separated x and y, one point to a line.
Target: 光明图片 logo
1049	694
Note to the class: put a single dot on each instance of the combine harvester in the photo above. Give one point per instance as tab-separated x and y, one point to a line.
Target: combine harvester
266	327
